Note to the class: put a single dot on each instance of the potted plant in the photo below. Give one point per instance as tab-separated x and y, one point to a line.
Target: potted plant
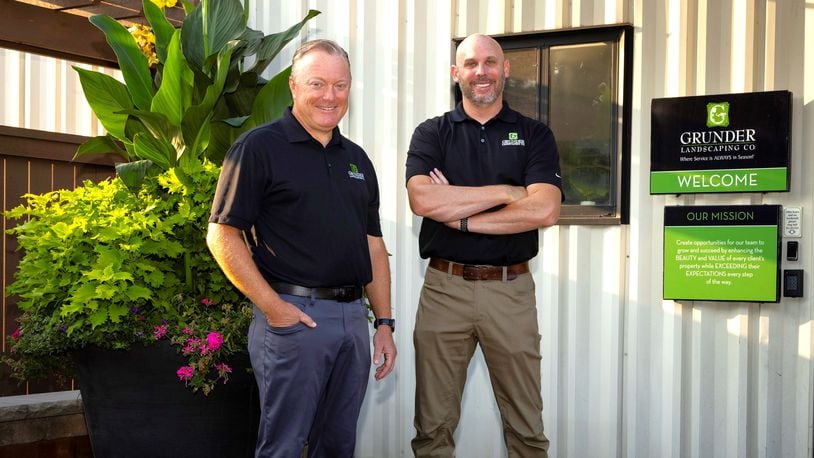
117	274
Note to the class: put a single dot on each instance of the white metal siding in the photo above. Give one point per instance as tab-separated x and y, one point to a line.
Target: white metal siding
624	372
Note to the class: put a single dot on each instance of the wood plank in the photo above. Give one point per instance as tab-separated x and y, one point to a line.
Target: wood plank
15	175
41	144
52	33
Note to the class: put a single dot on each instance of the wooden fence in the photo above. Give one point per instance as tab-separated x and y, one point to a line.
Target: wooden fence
35	162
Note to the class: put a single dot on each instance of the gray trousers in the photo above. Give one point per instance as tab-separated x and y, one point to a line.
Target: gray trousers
312	381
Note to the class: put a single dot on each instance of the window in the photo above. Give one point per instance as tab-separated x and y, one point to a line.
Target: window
579	82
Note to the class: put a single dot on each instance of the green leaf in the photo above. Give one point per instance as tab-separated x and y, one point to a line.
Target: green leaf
236	122
188	6
103	144
223	22
194	125
200	143
133	173
98	317
272	100
83	294
221	138
155	123
162	28
136	292
156	150
192	38
107	97
208	28
132	62
117	311
274	43
175	94
105	291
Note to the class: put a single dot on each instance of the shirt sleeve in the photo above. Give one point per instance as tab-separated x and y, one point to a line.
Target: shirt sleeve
241	184
543	165
425	150
374	227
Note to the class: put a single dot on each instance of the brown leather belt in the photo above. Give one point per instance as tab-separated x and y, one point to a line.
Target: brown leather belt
480	272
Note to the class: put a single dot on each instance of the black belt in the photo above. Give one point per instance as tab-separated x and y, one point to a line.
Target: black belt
337	293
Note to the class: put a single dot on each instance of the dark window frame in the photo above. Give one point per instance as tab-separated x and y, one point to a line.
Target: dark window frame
621	35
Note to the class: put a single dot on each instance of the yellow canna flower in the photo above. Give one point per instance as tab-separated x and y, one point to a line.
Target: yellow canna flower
145	39
164	3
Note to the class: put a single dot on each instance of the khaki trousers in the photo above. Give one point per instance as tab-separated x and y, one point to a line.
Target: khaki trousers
454	315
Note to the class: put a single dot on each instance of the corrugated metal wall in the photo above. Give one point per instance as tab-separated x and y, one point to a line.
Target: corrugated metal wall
624	373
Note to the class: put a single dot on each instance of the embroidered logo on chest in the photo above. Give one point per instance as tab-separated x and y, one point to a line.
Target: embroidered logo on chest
513	140
355	173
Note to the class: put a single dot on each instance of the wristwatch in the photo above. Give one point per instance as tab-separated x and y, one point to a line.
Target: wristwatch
388	321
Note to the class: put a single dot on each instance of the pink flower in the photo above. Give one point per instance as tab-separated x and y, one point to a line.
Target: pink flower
206	301
223	371
187	331
16	335
185	373
192	345
159	332
214	340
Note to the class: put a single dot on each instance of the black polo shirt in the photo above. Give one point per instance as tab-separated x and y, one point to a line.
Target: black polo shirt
312	207
509	149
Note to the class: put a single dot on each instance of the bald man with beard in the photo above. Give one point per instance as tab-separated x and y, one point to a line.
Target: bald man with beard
484	178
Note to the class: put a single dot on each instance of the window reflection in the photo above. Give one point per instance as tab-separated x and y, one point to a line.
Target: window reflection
581	108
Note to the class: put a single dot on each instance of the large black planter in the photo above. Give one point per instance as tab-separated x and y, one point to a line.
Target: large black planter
135	406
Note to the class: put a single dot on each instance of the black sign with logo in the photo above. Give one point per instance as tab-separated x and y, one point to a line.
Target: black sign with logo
721	143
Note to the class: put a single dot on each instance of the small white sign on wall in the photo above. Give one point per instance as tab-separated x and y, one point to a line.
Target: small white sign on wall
792	221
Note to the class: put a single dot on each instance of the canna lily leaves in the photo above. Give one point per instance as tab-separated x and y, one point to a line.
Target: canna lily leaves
133	173
162	28
107	97
132	62
103	144
175	94
208	28
272	100
274	43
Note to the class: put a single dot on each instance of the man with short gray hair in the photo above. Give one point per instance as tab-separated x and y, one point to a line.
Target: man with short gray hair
307	199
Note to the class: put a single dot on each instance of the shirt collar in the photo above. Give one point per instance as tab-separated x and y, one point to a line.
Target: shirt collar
505	114
295	133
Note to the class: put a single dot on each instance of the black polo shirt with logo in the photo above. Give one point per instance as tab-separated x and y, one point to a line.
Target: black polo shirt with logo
509	149
311	207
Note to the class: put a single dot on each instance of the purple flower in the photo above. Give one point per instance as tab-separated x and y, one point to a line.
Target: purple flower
159	332
214	340
63	328
135	310
185	373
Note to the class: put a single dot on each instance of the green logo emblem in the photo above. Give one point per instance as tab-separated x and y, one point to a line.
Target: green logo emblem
718	114
355	173
513	136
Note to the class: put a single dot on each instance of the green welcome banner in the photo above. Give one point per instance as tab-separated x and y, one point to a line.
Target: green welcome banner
721	143
722	253
712	181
